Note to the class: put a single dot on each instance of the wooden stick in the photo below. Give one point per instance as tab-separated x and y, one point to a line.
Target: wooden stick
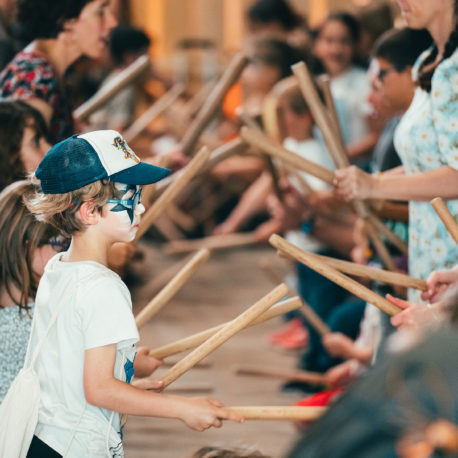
298	376
171	288
334	275
305	413
269	146
196	339
162	278
380	275
446	217
213	102
197	100
200	364
235	146
160	105
319	114
212	242
273	274
217	339
180	218
107	92
197	388
314	320
172	191
335	148
325	84
380	247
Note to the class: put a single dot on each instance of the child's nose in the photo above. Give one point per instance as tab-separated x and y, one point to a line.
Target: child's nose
139	209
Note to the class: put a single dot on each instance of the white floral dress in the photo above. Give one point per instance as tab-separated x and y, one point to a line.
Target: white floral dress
426	139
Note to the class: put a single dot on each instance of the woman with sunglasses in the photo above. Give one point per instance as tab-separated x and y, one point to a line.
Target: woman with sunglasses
427	142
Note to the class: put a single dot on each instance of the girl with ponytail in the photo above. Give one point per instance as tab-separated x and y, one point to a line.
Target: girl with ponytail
427	142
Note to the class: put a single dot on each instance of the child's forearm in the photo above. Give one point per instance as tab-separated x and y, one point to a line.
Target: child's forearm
120	397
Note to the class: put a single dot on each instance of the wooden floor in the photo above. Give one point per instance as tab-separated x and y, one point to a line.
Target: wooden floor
225	285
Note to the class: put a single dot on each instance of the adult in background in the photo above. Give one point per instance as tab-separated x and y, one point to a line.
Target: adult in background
61	31
427	142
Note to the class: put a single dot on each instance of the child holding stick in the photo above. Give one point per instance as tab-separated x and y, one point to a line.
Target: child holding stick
90	190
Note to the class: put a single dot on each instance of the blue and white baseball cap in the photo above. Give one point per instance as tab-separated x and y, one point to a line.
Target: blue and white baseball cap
83	159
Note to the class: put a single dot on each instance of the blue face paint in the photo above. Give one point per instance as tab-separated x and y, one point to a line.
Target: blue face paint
128	205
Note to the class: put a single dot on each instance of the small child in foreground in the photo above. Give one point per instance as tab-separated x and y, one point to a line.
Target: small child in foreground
90	190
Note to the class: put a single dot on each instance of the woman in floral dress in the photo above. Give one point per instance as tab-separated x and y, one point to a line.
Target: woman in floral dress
427	142
61	33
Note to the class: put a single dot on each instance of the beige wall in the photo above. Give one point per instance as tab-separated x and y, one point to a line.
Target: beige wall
222	21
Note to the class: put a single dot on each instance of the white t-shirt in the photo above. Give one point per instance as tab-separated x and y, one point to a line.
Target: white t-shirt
97	311
314	151
350	90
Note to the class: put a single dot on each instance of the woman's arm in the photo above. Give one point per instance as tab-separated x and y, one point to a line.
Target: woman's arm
353	183
103	390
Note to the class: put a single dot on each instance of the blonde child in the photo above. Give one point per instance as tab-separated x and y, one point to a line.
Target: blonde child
90	190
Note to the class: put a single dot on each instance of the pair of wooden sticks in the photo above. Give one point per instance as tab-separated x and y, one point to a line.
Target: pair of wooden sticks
256	312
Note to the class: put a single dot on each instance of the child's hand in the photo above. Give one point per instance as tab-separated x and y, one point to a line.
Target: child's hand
338	345
341	375
203	413
144	364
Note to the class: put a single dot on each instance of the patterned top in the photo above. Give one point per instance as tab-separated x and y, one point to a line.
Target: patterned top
15	328
426	139
31	75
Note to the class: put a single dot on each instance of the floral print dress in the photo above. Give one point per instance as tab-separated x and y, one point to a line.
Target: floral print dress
30	75
15	326
426	139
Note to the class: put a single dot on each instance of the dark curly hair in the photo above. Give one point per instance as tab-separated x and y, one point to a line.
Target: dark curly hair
279	11
428	67
46	18
14	118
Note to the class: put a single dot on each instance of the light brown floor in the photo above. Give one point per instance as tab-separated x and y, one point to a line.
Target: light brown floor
223	287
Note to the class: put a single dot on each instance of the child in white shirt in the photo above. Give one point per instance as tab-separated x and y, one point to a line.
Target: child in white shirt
90	190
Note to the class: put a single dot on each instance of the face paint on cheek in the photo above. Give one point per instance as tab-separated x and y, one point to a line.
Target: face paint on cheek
122	208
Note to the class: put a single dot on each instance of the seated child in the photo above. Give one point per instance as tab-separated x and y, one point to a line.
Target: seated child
26	245
22	141
90	190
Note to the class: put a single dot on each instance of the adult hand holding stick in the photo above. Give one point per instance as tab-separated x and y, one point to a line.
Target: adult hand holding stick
194	340
171	288
214	101
105	93
446	217
224	334
334	275
172	191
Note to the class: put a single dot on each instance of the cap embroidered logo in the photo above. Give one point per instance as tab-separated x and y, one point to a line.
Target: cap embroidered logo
121	144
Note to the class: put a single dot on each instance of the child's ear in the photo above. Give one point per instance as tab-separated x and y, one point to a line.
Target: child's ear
88	213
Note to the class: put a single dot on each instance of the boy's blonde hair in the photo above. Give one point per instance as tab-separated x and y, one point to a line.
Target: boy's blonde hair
61	210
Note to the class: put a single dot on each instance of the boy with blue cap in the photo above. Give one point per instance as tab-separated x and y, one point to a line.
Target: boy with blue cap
90	190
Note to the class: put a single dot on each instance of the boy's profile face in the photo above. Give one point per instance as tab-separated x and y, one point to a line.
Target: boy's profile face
122	215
